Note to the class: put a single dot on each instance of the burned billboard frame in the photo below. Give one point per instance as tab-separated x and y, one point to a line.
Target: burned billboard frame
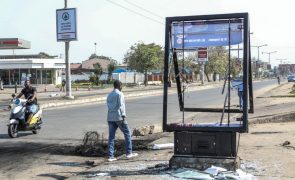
248	106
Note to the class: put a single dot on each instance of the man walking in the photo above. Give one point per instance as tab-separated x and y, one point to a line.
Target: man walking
116	119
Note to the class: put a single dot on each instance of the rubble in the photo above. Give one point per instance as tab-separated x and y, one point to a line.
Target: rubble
95	144
143	131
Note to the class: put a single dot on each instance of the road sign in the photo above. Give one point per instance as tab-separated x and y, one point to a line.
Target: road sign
202	55
66	24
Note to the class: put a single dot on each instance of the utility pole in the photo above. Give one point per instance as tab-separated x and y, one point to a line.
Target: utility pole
257	61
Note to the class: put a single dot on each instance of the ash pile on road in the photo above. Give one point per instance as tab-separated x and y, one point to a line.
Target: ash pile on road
96	145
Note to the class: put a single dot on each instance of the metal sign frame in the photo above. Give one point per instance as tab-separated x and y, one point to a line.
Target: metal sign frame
247	77
70	31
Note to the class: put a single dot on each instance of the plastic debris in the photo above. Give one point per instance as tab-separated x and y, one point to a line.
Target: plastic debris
237	175
185	173
102	174
214	170
163	146
53	95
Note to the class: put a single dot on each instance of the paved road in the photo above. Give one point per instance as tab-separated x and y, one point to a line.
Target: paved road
65	126
72	122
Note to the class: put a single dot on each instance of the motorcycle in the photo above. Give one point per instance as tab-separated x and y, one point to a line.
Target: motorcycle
18	118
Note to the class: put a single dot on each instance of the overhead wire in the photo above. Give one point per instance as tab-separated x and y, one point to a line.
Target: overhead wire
135	12
148	11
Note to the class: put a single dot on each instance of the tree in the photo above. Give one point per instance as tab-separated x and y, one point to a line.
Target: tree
189	63
144	57
111	68
217	61
97	73
93	56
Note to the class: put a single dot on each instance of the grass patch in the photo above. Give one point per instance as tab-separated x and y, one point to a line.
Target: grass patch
293	90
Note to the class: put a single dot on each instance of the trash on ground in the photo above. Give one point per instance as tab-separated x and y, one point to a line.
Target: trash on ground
53	95
211	173
143	131
185	173
237	175
286	143
102	174
214	170
93	175
163	146
89	163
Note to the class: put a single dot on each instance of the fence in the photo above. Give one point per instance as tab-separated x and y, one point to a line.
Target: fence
129	77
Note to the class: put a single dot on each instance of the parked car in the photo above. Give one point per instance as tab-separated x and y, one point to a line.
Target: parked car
291	78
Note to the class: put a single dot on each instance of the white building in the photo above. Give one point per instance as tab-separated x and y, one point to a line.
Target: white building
40	68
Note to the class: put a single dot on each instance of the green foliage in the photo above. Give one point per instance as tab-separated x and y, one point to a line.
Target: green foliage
111	68
97	73
97	69
190	62
144	57
293	89
93	79
217	60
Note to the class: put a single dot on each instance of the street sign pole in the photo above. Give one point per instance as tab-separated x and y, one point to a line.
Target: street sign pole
202	72
202	59
66	31
68	68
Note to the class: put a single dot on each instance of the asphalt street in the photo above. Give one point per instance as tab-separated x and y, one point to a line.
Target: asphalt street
70	123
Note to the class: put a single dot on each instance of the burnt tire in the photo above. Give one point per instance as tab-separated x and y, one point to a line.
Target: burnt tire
12	130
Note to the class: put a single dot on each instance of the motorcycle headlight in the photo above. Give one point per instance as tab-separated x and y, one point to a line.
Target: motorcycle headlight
17	102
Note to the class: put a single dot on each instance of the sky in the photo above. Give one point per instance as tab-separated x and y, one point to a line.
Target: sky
115	25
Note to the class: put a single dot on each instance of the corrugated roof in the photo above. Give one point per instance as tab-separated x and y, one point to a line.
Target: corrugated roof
76	66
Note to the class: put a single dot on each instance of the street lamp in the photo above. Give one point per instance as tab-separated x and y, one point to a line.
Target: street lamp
95	47
281	60
258	46
269	53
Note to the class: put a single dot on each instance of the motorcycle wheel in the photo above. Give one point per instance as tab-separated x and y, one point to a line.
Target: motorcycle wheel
12	130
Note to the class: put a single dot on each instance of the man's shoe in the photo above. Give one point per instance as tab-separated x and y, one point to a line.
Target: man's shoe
131	155
111	159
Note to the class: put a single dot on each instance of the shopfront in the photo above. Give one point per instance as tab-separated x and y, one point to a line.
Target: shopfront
38	70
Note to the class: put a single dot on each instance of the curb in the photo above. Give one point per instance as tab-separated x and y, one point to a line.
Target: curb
274	118
101	99
98	99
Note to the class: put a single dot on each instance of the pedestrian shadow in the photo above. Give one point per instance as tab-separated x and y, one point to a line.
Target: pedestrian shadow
267	132
160	169
54	176
74	164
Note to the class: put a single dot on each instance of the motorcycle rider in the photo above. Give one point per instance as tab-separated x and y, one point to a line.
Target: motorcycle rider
30	94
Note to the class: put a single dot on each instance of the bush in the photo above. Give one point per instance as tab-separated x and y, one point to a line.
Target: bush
293	89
